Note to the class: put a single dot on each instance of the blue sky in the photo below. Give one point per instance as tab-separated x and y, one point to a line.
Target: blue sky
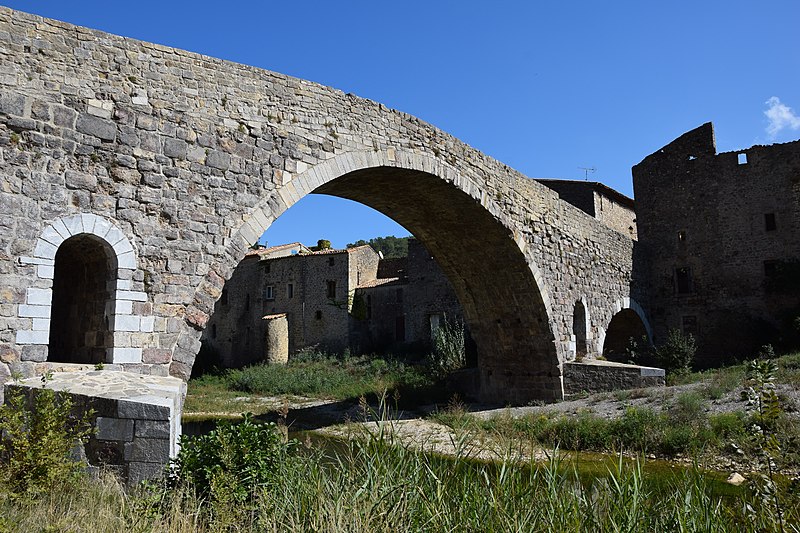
545	87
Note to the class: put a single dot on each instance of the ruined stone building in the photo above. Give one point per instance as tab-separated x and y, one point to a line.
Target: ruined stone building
333	300
719	242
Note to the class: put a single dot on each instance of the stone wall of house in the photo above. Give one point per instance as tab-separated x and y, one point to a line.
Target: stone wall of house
615	214
294	285
180	161
429	294
720	235
610	207
235	334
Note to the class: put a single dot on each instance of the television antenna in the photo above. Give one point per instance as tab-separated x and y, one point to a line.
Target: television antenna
586	171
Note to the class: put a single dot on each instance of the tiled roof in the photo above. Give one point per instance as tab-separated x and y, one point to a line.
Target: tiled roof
272	249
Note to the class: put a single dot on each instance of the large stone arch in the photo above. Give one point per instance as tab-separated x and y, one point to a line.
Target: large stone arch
193	157
495	277
122	318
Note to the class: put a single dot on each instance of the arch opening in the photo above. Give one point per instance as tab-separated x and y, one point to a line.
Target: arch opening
491	277
624	326
579	330
83	279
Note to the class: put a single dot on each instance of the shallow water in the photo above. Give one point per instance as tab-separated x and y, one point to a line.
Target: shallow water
658	475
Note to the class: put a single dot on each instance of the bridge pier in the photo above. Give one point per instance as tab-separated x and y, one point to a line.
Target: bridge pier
137	418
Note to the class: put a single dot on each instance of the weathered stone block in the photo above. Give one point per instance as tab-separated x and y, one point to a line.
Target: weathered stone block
153	429
64	116
98	127
175	148
80	180
219	160
138	472
12	104
156	356
147	450
119	429
142	411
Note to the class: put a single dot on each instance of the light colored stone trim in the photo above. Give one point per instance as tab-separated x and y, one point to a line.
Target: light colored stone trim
38	301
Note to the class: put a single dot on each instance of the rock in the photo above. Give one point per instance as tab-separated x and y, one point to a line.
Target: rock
735	479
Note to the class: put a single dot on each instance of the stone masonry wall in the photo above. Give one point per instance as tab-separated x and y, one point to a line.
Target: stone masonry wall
137	418
714	255
190	158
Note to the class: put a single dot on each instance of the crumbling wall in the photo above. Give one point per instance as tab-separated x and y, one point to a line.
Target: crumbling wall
719	233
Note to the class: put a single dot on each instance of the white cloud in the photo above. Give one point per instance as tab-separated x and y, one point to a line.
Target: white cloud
780	117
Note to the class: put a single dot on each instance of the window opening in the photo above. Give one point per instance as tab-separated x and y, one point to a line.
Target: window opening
683	280
769	222
331	290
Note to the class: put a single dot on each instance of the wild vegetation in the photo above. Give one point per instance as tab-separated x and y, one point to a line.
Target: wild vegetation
680	427
312	374
245	478
248	477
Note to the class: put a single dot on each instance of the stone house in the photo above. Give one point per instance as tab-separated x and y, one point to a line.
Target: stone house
607	205
332	299
718	242
405	305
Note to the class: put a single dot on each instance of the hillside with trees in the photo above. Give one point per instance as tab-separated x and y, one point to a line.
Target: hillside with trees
390	246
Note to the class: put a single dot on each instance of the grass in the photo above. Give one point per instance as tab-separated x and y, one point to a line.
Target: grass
372	484
310	374
683	430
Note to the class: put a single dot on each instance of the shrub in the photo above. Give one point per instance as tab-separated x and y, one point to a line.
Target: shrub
448	349
637	429
677	354
232	462
687	409
38	439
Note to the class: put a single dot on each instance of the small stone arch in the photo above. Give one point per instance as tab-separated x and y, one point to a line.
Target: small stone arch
120	313
627	321
579	339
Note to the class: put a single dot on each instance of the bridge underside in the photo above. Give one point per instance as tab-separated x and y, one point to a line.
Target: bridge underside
503	306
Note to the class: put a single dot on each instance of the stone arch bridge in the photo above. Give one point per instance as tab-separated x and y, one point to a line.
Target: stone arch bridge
137	175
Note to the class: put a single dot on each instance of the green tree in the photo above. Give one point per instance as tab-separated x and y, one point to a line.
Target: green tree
322	244
390	246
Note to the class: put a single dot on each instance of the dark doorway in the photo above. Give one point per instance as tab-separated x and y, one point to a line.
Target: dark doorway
400	328
82	287
579	329
624	326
